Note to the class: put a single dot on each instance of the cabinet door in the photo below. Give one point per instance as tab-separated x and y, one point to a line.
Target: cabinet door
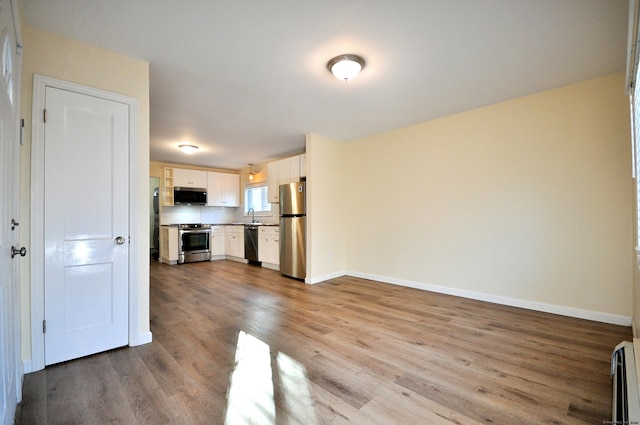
230	192
229	243
234	241
284	174
263	246
272	182
189	178
294	169
217	241
275	252
198	178
180	177
284	171
269	245
223	189
214	190
272	249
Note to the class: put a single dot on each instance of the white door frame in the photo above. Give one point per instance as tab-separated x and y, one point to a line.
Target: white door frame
40	83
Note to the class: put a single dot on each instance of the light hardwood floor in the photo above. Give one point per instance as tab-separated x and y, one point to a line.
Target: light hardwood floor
234	344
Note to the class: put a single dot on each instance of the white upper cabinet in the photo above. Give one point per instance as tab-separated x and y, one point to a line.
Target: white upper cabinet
272	182
189	178
223	189
284	171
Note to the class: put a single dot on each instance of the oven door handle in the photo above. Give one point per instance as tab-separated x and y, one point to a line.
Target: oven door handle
183	231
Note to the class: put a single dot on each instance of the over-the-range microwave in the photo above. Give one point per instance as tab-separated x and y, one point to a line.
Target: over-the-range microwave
189	196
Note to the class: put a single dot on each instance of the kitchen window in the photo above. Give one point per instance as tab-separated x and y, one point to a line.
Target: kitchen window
255	196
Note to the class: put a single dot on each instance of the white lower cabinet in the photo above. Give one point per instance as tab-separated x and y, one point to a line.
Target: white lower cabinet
217	244
169	244
234	241
269	245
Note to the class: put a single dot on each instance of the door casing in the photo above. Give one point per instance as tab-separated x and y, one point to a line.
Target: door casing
37	207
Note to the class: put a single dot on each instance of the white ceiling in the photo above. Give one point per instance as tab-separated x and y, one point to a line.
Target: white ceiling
246	80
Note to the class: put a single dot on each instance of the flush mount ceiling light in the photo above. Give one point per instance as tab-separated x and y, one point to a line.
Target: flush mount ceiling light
346	67
251	174
188	148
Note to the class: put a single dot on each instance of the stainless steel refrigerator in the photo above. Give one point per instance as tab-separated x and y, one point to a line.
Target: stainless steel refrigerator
293	230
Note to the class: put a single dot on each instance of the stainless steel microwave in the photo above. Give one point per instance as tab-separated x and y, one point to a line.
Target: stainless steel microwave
189	196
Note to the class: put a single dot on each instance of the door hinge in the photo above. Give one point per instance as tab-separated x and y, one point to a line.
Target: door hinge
44	115
44	326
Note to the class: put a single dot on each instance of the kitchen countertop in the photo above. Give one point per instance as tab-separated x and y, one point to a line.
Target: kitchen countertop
247	224
230	224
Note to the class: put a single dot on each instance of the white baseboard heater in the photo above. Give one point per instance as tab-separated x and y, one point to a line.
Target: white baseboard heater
625	408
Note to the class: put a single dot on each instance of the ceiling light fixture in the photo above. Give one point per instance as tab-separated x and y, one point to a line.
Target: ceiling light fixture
251	175
346	67
188	148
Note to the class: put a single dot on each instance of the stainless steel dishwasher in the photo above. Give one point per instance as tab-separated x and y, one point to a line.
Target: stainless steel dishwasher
251	243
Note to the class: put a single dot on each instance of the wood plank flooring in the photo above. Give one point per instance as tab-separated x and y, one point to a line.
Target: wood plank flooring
238	344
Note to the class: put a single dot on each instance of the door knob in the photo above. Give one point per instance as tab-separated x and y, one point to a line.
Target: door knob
120	240
18	251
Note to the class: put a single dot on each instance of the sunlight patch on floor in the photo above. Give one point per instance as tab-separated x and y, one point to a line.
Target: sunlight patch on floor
295	387
250	399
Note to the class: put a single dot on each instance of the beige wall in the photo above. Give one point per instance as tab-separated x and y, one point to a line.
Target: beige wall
528	200
66	59
327	205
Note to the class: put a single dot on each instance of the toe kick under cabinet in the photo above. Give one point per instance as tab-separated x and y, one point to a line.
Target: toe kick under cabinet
269	246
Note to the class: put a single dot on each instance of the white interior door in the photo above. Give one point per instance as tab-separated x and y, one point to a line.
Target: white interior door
10	382
86	224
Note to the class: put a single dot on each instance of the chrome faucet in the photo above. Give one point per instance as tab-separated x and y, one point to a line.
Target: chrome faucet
253	214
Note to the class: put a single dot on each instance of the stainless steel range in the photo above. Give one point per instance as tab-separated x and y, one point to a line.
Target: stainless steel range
194	243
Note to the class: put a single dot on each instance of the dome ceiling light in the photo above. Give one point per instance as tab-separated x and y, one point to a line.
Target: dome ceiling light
346	67
188	148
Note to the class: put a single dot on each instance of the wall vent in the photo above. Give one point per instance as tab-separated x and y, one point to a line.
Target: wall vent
625	408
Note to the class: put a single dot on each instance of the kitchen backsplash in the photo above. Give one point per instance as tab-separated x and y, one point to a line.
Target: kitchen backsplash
183	214
193	214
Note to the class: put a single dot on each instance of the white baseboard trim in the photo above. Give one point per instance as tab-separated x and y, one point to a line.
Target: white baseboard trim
596	316
313	281
238	259
27	366
144	338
